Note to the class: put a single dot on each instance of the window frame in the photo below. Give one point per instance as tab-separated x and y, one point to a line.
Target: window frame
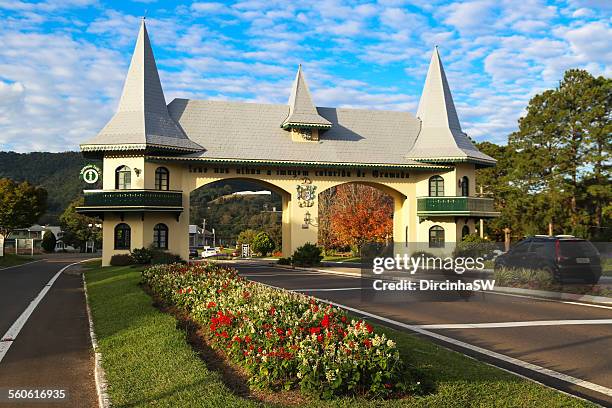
157	236
161	183
465	186
124	242
437	242
121	174
436	186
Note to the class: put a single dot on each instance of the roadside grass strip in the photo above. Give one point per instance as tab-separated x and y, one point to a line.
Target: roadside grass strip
148	362
11	260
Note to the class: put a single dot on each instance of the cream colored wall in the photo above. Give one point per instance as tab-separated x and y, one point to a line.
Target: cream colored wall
133	162
404	192
465	169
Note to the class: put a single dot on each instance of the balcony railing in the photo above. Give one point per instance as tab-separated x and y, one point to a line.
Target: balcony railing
456	206
132	200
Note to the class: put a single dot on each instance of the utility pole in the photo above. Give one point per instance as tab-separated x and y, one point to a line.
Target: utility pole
214	238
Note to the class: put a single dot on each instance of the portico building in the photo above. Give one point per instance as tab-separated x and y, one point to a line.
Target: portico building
155	154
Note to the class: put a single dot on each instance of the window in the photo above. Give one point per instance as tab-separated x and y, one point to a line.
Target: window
123	178
162	179
436	237
465	186
465	231
122	236
160	236
436	186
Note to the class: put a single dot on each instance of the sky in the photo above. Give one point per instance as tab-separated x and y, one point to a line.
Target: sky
63	63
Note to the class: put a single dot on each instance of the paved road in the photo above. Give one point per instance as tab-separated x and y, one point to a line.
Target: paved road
578	350
53	349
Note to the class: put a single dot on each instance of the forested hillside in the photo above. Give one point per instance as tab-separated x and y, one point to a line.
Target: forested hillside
58	173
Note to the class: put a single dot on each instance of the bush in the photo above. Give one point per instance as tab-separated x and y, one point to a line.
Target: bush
263	244
161	257
283	340
142	256
473	246
48	242
527	278
307	255
121	260
284	261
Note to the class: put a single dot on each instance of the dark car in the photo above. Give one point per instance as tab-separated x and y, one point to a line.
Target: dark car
566	258
193	253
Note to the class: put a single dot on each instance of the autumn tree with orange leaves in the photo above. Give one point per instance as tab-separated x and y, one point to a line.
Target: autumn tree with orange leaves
352	215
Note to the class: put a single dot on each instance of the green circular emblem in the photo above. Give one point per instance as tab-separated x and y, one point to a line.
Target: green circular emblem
90	173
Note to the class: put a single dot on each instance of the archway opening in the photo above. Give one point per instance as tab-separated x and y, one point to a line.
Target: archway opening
352	215
226	213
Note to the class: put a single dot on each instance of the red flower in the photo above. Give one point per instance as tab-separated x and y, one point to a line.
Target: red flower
315	330
237	339
367	343
387	385
369	328
211	304
289	332
320	338
247	339
343	318
259	349
272	311
325	321
224	334
280	331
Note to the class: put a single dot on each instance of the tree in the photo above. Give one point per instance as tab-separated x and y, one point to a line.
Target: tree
78	228
556	167
49	241
21	205
263	244
361	214
247	236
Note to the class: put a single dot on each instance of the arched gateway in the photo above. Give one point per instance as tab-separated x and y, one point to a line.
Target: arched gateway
155	154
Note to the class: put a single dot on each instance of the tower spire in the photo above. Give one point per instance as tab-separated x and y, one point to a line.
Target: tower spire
441	138
142	120
302	111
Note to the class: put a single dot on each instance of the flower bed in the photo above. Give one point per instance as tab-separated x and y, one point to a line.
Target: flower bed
283	340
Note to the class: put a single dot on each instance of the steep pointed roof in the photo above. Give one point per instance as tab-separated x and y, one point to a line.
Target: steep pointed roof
302	112
441	138
142	120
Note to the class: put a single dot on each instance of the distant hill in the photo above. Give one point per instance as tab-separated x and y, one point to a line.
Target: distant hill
58	173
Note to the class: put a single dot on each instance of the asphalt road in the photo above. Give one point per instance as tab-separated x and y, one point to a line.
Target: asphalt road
572	342
53	349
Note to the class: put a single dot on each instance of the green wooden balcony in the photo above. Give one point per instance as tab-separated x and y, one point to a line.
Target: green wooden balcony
97	201
481	207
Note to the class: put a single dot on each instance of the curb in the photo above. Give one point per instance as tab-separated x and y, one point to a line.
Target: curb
100	376
545	294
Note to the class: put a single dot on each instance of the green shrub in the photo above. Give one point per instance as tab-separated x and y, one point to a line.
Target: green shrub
529	278
121	260
263	244
162	257
142	256
473	246
426	254
284	261
48	242
307	255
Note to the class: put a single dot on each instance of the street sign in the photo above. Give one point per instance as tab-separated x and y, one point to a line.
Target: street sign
90	173
246	250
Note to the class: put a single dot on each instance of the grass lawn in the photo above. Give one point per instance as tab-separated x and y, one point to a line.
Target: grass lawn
342	259
148	361
12	260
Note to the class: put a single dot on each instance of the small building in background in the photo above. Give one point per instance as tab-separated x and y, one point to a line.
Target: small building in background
199	237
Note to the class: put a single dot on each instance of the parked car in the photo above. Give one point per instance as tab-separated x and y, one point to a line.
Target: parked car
193	253
208	252
566	258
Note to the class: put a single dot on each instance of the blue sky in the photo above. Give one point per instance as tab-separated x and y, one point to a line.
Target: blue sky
62	63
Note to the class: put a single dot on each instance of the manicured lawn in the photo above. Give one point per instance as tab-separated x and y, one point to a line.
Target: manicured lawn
12	260
342	259
148	361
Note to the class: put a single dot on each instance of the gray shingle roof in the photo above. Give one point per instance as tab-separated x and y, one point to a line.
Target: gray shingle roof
250	131
441	138
142	118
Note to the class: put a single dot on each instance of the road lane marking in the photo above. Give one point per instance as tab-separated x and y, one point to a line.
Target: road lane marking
11	334
350	275
23	264
535	323
514	361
